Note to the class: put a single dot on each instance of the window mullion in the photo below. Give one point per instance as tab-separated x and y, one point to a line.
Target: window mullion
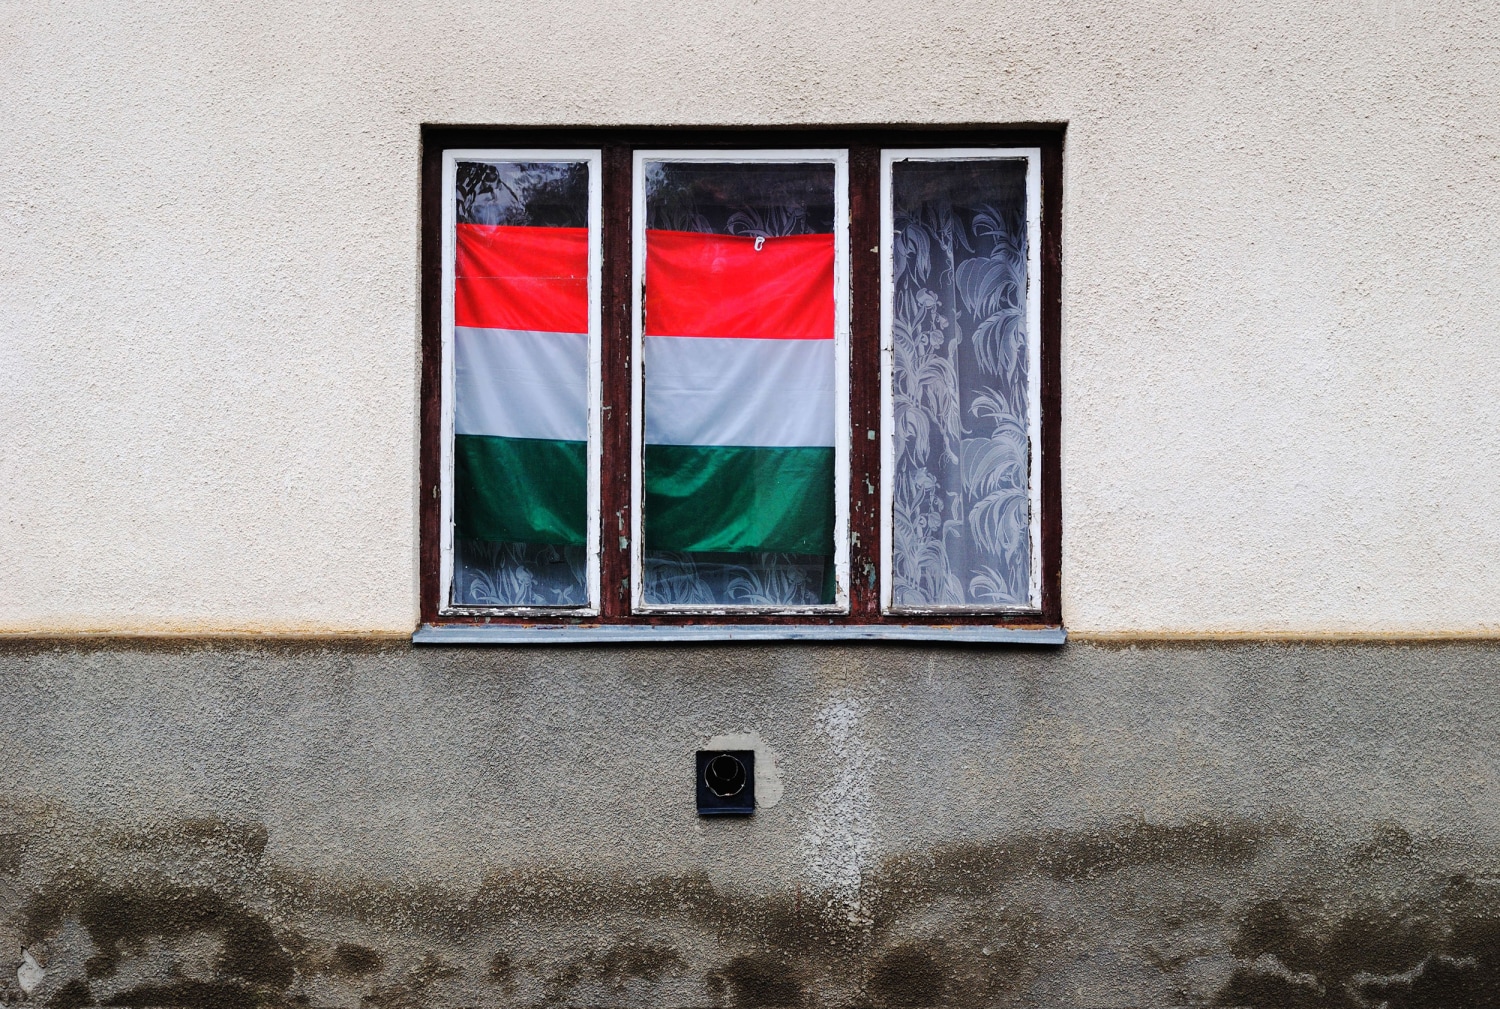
615	476
864	382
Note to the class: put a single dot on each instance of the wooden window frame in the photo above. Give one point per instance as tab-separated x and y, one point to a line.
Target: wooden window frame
615	619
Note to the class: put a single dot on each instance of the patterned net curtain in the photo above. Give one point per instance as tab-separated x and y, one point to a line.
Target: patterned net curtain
961	501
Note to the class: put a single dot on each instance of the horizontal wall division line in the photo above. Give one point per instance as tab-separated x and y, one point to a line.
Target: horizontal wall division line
1282	637
251	636
645	634
227	635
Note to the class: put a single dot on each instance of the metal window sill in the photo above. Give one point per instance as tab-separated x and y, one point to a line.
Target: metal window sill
613	634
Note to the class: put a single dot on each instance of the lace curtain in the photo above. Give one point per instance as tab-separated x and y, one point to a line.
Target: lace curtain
961	483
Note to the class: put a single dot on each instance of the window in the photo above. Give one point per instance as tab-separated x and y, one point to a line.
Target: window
520	434
961	379
741	381
740	384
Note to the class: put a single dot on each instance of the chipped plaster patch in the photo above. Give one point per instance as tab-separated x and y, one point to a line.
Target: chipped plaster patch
768	781
840	837
30	975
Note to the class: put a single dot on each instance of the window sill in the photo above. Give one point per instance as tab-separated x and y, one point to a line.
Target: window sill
612	634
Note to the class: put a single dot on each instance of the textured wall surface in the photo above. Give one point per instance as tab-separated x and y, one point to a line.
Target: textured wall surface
383	826
1280	283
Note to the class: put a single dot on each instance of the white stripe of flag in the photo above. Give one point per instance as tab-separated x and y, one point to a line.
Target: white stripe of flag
513	383
739	392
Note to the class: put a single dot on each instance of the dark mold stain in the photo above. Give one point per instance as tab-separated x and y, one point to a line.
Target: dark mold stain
1392	955
566	977
1284	928
578	894
189	995
42	914
11	848
252	951
249	838
1248	988
117	919
406	907
75	994
958	870
627	961
349	960
976	869
502	968
1390	841
413	992
959	924
120	921
1137	843
783	949
907	976
759	980
616	966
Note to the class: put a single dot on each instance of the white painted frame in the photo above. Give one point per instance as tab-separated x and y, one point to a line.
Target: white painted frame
839	158
1033	158
595	160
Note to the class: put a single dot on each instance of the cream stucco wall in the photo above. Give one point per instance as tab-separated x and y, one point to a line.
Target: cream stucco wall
1281	343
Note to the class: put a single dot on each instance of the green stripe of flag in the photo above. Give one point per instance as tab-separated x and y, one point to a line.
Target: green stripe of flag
520	490
701	498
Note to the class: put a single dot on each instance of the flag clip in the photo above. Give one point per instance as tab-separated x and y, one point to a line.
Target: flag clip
760	241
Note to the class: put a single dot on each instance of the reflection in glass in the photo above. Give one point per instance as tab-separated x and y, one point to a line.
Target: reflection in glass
739	384
521	358
961	502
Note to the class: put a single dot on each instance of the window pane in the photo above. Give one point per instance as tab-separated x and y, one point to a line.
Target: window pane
960	388
739	384
521	383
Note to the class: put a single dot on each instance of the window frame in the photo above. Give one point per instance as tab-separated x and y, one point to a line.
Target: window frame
839	158
614	516
594	158
888	159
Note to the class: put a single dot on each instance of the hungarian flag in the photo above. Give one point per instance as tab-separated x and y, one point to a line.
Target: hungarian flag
739	393
521	354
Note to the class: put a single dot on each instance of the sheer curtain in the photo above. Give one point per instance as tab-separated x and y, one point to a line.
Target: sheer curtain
960	489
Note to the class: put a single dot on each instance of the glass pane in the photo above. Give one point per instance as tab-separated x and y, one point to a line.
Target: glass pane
521	360
961	501
739	384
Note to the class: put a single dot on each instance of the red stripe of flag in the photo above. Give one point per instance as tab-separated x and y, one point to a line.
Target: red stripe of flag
721	286
522	278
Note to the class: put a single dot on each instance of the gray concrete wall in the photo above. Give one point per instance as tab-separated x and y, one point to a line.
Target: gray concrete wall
376	825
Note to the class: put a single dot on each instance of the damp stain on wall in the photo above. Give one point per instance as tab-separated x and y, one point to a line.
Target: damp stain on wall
382	828
1205	912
